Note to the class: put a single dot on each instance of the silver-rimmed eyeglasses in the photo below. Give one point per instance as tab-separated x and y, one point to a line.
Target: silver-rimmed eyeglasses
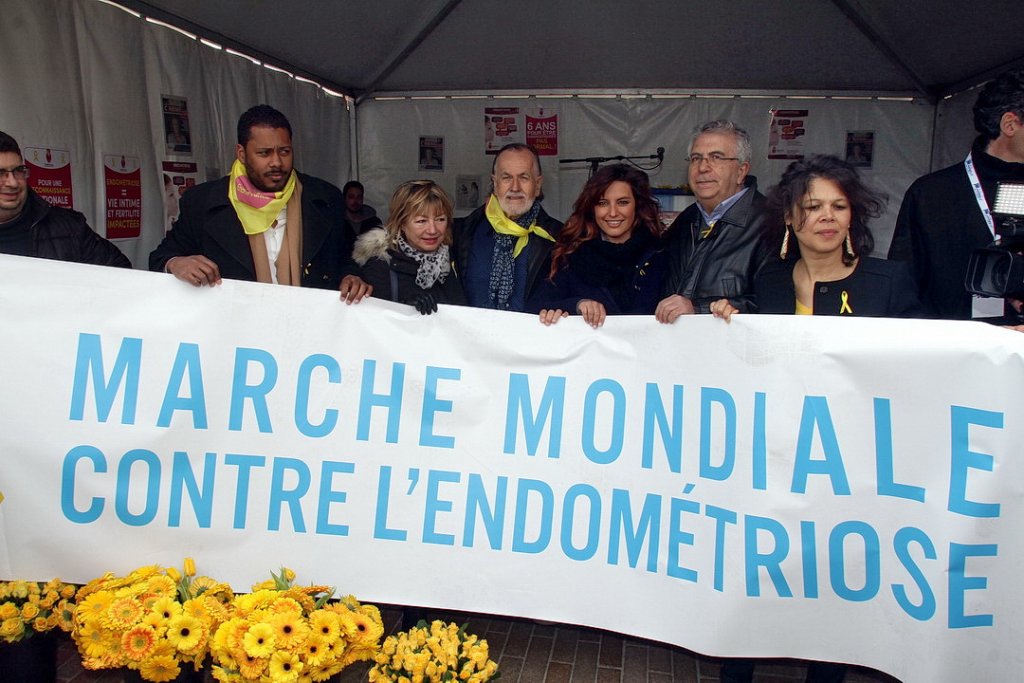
715	159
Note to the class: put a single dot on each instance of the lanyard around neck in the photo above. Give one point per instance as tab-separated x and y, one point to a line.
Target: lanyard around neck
979	195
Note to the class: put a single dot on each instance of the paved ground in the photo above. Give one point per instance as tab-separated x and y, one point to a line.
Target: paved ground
528	652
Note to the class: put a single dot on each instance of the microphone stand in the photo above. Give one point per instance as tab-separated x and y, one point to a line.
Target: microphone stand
597	161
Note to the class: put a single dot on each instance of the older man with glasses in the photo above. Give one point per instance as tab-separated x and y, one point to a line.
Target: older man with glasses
715	245
31	227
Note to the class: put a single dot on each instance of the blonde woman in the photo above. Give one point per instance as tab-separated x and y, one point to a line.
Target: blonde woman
408	259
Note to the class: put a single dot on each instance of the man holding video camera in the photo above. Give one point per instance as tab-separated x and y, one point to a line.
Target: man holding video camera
946	215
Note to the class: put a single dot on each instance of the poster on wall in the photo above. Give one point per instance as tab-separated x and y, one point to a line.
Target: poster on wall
122	181
49	174
431	153
502	125
786	133
178	176
542	131
467	191
860	148
177	132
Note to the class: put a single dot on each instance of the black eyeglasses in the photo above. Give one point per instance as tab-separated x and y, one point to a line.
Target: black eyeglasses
19	172
715	158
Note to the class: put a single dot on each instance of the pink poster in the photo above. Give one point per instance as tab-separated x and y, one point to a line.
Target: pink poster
123	182
49	174
542	132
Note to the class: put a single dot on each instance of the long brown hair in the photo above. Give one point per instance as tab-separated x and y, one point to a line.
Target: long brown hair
581	226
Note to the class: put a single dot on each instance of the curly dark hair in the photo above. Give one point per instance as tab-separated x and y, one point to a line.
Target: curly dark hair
260	115
581	227
1004	93
865	203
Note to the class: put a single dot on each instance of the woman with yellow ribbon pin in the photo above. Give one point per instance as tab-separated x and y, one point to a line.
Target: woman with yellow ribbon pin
816	217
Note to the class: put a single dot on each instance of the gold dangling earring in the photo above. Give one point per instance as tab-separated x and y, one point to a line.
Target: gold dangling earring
785	243
849	246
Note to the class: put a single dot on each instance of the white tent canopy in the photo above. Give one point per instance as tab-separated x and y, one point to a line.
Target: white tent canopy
622	78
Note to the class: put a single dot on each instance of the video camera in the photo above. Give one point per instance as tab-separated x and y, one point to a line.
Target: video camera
998	269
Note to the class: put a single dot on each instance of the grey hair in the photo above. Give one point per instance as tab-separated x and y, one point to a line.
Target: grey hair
743	147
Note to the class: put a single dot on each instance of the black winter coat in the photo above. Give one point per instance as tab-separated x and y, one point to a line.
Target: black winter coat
874	289
64	235
723	264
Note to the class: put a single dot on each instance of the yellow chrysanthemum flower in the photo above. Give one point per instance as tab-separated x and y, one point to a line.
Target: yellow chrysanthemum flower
93	606
122	613
290	629
138	642
325	623
259	640
160	668
285	667
251	667
161	585
315	651
166	609
190	567
187	634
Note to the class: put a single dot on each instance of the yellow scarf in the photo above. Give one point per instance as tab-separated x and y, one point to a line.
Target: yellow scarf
256	209
506	226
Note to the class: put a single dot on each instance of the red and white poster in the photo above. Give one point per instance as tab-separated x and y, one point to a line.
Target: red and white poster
178	176
786	133
49	174
502	125
542	132
123	182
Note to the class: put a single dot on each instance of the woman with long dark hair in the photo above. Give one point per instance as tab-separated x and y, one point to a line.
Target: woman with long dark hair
608	258
817	219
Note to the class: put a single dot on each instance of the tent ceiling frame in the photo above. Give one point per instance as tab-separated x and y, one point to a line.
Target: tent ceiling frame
148	10
439	16
869	32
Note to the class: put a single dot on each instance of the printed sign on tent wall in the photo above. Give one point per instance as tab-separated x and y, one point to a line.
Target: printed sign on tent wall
49	174
122	180
431	153
178	176
542	131
502	125
177	131
786	133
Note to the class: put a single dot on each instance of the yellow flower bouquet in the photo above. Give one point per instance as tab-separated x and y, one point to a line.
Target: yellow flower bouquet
28	607
154	620
435	653
285	633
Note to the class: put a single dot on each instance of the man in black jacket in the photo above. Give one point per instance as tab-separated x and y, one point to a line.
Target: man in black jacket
501	247
29	226
945	215
263	223
715	245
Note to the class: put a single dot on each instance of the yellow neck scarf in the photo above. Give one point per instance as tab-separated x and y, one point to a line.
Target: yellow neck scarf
256	209
506	226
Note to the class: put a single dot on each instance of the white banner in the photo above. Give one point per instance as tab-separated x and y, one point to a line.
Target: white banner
825	488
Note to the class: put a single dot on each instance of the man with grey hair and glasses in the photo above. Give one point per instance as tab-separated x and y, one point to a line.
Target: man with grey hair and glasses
715	246
29	226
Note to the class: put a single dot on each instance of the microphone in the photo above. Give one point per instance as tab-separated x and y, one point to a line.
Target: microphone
661	154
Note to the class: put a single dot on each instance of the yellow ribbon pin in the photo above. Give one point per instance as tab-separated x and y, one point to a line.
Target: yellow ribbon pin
845	300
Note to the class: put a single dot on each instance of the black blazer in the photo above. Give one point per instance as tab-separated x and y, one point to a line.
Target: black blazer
208	226
875	288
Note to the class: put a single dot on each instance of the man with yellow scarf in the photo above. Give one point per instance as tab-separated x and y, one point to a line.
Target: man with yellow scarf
500	248
263	223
